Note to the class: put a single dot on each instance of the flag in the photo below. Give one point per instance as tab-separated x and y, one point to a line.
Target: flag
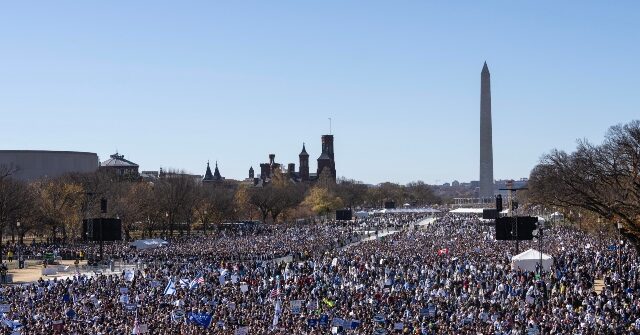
196	281
170	289
13	324
329	302
183	283
274	293
443	251
200	319
136	326
276	313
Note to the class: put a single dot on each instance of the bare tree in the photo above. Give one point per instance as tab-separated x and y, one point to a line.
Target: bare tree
603	179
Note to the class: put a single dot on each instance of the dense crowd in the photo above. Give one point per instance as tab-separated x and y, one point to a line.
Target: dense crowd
447	277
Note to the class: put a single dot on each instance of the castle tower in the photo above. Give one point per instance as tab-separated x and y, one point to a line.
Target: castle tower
216	174
208	176
486	141
304	164
251	174
326	159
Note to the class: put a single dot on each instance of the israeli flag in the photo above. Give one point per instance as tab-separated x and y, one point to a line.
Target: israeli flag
170	289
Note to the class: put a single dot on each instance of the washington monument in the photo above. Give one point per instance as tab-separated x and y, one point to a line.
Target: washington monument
486	142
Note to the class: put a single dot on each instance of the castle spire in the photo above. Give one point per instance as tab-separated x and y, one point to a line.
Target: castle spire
208	176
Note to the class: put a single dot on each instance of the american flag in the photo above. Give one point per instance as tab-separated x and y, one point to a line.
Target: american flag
199	279
443	251
274	293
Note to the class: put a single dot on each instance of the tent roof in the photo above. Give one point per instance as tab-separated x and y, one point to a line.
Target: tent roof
530	254
406	210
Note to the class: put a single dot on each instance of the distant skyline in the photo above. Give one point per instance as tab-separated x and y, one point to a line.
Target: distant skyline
177	84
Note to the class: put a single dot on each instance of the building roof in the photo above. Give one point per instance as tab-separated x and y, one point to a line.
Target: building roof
324	156
118	161
208	176
304	151
215	176
216	173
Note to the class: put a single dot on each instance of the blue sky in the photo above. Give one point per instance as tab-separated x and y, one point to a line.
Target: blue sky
177	83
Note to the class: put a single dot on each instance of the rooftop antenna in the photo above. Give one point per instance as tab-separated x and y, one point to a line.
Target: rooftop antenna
330	126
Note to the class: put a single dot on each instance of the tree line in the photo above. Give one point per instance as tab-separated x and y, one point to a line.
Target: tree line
178	203
602	180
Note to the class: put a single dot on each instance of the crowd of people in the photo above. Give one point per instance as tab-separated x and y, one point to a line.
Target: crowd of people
446	277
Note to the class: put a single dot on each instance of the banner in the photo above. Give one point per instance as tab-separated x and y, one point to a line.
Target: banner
177	315
5	308
398	326
296	306
130	307
201	319
129	275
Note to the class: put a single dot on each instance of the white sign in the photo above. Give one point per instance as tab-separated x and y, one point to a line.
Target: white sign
296	306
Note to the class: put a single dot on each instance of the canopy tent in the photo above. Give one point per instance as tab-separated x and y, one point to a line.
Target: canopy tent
528	261
467	211
149	244
361	214
405	210
557	216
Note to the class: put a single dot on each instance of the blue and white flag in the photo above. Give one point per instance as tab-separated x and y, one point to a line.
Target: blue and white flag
13	324
276	313
184	283
201	319
170	289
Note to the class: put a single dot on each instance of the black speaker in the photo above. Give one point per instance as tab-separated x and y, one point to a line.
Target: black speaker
506	228
389	205
489	214
343	214
499	203
102	229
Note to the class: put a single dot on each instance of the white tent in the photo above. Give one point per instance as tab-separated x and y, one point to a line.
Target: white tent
361	214
557	216
528	261
148	244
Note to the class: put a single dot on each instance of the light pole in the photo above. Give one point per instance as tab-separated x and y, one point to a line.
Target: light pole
19	254
619	248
